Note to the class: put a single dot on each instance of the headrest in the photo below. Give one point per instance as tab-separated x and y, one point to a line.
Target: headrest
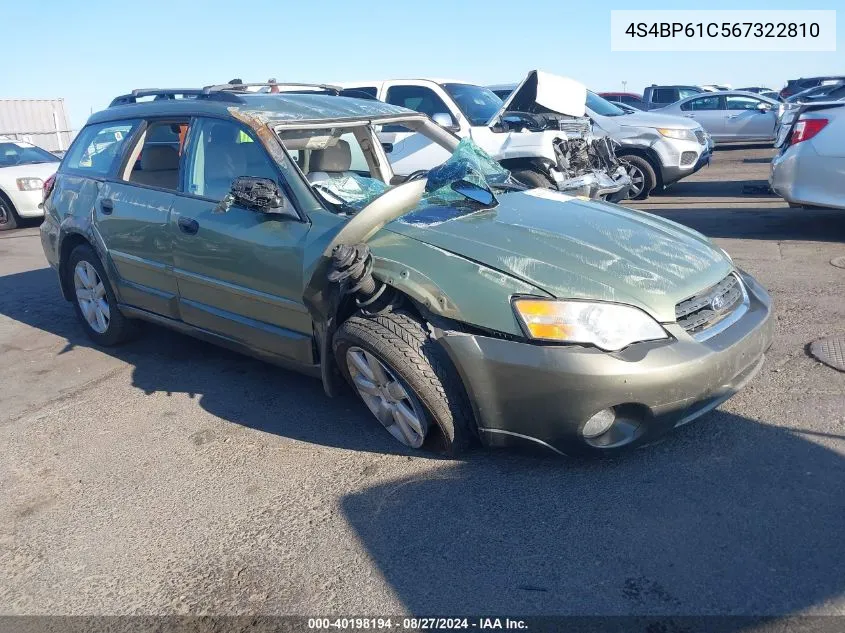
336	158
159	158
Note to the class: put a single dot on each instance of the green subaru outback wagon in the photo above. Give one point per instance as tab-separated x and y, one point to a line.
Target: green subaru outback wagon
459	304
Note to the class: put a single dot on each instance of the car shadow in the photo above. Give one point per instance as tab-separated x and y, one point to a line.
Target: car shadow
822	225
234	387
728	516
713	189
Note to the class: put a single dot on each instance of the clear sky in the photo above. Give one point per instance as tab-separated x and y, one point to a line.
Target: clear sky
88	51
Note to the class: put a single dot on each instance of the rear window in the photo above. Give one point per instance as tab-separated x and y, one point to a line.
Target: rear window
665	95
365	92
98	147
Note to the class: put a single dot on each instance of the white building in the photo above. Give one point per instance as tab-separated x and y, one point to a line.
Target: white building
42	122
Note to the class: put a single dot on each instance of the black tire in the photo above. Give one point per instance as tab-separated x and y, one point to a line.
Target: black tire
532	178
403	344
641	168
119	328
8	215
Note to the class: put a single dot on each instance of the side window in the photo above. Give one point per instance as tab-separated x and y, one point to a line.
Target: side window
633	101
417	98
364	92
683	93
219	152
702	103
156	162
664	95
741	103
98	147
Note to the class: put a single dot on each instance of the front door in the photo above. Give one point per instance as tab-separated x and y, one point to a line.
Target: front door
239	272
746	121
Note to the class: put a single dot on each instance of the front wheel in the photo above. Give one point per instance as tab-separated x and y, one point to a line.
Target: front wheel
406	381
93	298
532	178
8	217
643	178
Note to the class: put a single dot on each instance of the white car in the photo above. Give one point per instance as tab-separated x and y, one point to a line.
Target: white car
809	169
23	170
548	142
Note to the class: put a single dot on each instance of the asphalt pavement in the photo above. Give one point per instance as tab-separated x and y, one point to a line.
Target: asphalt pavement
169	476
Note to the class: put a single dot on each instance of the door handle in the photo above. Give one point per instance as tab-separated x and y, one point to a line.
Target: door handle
388	147
107	206
690	116
188	225
733	116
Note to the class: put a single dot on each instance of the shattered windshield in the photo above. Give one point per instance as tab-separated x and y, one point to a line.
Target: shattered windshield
352	192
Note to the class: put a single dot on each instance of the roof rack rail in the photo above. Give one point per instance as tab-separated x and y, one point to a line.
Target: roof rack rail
166	94
284	84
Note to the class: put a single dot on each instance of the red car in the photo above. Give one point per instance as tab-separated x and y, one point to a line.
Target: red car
628	98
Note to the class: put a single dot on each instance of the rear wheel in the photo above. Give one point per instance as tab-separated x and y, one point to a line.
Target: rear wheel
406	380
94	300
641	173
532	178
8	216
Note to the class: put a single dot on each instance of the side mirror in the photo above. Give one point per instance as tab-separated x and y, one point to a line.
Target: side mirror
258	194
474	192
763	107
445	120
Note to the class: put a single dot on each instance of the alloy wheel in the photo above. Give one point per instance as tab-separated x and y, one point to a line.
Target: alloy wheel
5	214
91	297
637	180
387	397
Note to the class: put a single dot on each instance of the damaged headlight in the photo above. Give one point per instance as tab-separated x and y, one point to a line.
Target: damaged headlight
608	326
676	133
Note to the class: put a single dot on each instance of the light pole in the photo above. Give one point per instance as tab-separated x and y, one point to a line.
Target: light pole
624	84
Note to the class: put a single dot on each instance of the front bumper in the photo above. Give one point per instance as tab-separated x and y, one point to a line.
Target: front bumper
542	395
27	203
598	185
673	172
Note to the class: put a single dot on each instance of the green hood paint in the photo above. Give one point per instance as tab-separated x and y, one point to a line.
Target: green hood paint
577	249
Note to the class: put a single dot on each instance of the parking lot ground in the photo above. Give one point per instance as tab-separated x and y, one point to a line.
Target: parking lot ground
168	476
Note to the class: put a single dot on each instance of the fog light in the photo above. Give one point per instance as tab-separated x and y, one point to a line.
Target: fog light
599	423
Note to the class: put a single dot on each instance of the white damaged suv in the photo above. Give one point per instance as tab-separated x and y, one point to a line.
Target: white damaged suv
551	144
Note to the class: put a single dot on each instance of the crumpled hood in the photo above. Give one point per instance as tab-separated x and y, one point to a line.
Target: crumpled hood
552	92
573	248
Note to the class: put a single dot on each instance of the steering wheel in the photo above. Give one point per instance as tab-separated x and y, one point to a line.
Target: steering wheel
416	175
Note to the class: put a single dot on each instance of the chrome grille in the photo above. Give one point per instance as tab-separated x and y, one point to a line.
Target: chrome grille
701	312
699	134
575	127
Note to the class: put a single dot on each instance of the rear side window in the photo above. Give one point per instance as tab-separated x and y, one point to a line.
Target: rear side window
665	95
98	147
156	162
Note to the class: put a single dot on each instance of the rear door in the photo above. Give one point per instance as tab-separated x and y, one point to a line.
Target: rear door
709	111
134	213
744	120
239	272
410	151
